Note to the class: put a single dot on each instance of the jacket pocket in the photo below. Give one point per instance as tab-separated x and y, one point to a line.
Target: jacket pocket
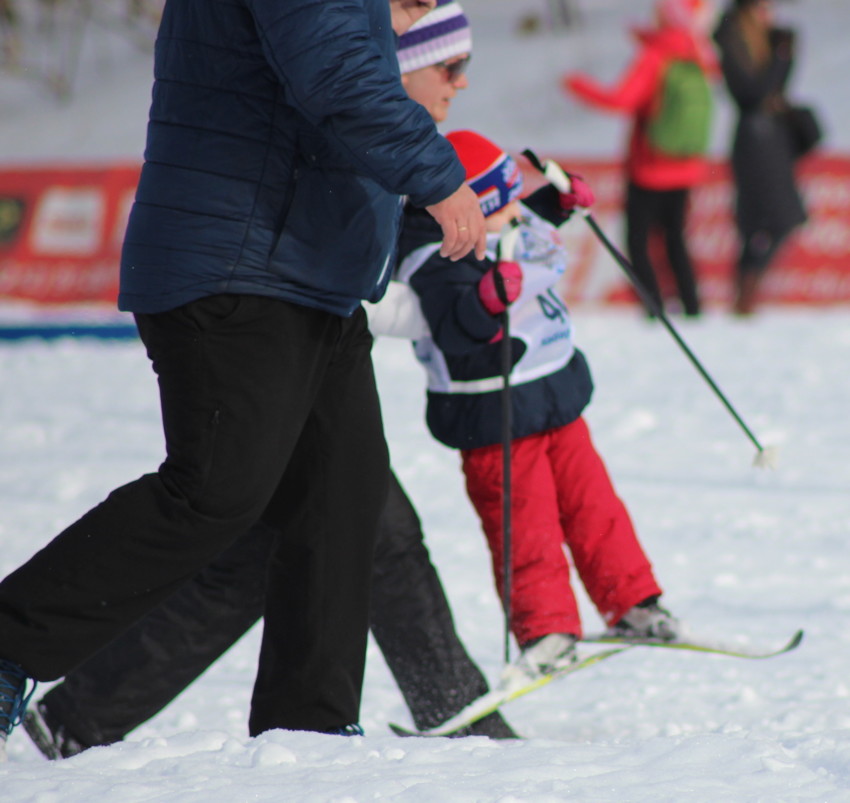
339	234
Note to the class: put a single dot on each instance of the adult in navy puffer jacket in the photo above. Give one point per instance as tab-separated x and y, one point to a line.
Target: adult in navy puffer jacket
260	175
280	142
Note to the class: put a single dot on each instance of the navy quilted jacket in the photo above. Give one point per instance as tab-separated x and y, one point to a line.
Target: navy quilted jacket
279	142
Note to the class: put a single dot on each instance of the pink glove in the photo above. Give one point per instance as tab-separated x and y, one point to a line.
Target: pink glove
580	194
494	301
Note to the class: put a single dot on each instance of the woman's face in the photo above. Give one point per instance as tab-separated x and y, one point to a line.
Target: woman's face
436	86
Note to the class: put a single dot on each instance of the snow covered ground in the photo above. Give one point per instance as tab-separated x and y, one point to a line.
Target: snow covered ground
739	551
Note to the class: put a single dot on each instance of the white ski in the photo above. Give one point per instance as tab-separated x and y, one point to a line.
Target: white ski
495	699
707	645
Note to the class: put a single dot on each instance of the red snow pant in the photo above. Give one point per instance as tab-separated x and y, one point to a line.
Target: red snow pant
561	495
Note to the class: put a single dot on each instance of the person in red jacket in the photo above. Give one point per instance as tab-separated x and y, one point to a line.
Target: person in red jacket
660	173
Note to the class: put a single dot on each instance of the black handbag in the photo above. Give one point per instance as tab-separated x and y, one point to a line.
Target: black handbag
805	129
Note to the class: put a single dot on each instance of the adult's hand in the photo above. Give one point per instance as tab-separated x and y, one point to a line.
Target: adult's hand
462	222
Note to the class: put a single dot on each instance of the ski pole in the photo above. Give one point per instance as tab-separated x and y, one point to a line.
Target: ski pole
505	250
766	456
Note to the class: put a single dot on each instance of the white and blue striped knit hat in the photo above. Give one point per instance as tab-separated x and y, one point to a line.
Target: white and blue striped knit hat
443	33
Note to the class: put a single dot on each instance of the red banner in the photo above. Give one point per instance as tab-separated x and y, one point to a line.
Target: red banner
61	230
812	268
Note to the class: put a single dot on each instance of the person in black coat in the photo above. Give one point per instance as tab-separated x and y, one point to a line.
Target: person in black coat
280	144
756	59
138	674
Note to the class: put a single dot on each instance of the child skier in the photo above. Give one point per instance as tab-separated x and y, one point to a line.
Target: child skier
561	492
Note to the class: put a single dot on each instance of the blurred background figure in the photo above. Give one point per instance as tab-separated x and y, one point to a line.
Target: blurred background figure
562	13
666	92
558	15
44	40
9	43
756	60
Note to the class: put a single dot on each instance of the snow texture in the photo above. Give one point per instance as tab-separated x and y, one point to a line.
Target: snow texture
740	551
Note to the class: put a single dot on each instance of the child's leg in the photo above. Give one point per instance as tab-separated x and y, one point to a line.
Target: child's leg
542	600
598	530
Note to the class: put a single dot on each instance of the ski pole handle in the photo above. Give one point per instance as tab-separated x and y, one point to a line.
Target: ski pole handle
579	194
552	171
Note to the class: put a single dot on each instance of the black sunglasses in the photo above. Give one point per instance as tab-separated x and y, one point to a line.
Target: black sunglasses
454	69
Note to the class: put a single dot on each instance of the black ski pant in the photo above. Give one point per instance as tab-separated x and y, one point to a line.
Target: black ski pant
664	211
138	674
270	411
